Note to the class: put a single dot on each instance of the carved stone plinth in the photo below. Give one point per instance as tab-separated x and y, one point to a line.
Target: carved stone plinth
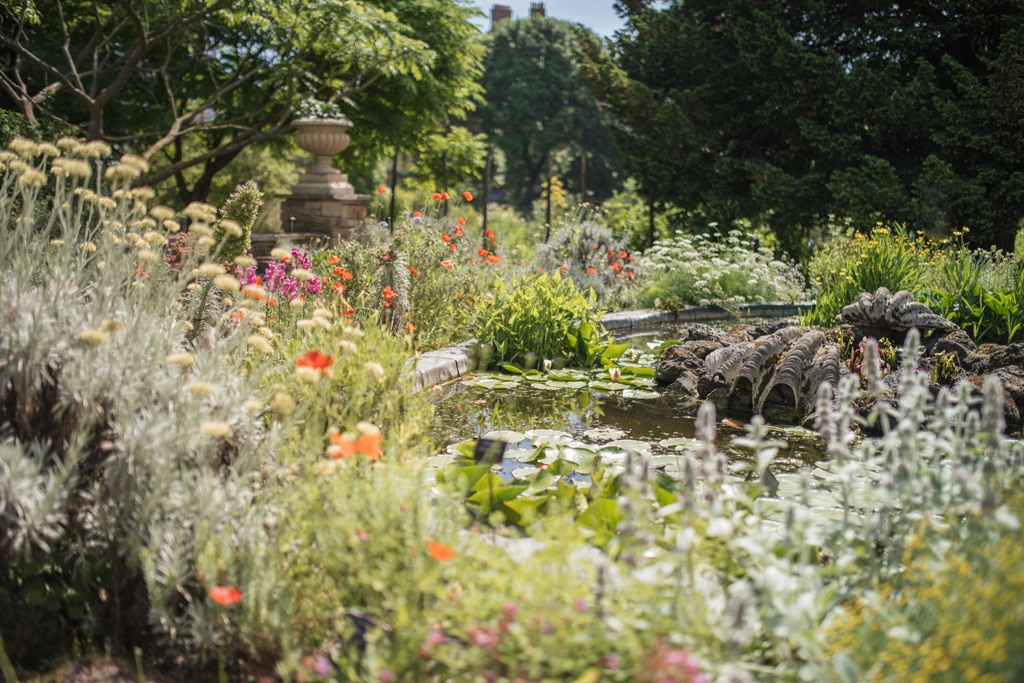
339	217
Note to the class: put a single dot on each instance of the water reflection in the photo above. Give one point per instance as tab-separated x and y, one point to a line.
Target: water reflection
469	412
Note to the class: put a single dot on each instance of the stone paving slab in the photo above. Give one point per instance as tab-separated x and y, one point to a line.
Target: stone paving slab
447	364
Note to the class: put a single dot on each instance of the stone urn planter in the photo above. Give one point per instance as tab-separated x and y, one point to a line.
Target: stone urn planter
323	138
323	201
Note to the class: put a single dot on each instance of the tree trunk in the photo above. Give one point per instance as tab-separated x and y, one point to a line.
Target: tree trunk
487	193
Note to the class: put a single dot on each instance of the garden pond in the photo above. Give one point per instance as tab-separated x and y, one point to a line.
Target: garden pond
587	413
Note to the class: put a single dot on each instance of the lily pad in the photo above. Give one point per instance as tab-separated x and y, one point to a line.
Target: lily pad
609	386
525	471
539	436
507	436
604	434
640	394
682	443
629	445
557	384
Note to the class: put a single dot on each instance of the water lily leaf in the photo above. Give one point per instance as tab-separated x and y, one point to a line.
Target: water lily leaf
539	436
642	382
507	436
565	376
608	386
637	371
679	443
629	445
440	461
522	473
604	434
583	459
512	369
640	394
548	386
519	454
506	385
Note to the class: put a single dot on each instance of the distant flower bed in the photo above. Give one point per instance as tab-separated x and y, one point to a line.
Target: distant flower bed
702	269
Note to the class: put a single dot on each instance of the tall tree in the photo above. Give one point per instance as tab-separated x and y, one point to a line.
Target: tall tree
194	82
536	105
792	112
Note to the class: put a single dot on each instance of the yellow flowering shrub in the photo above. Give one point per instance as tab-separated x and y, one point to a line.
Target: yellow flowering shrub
955	614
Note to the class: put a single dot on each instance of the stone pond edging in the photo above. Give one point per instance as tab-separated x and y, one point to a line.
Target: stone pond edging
452	362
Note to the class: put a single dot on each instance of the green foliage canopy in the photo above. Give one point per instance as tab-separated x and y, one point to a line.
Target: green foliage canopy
537	106
792	112
193	83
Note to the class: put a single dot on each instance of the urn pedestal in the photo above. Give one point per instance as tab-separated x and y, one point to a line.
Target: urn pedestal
323	201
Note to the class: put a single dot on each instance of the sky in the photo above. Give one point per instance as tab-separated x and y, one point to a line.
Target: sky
597	15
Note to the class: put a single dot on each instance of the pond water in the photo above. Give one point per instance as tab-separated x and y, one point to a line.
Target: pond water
591	409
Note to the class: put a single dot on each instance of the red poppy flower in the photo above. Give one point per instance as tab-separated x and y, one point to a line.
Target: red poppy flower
447	264
417	213
561	270
347	310
337	271
317	360
446	237
381	189
458	231
623	254
440	551
468	196
493	259
590	270
414	271
225	595
334	259
452	247
482	252
410	327
489	233
460	220
272	302
338	287
436	196
388	293
346	276
444	195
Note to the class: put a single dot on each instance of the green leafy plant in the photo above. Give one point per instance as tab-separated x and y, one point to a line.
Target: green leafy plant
852	262
543	317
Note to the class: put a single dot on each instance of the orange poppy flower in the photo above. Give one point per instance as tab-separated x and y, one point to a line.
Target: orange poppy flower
460	220
334	259
346	276
225	595
410	327
272	302
369	445
458	231
417	213
447	264
444	195
286	259
414	271
346	448
493	259
318	360
446	237
388	293
338	287
440	551
452	247
436	196
468	196
489	233
381	189
238	314
590	270
482	252
561	270
347	310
